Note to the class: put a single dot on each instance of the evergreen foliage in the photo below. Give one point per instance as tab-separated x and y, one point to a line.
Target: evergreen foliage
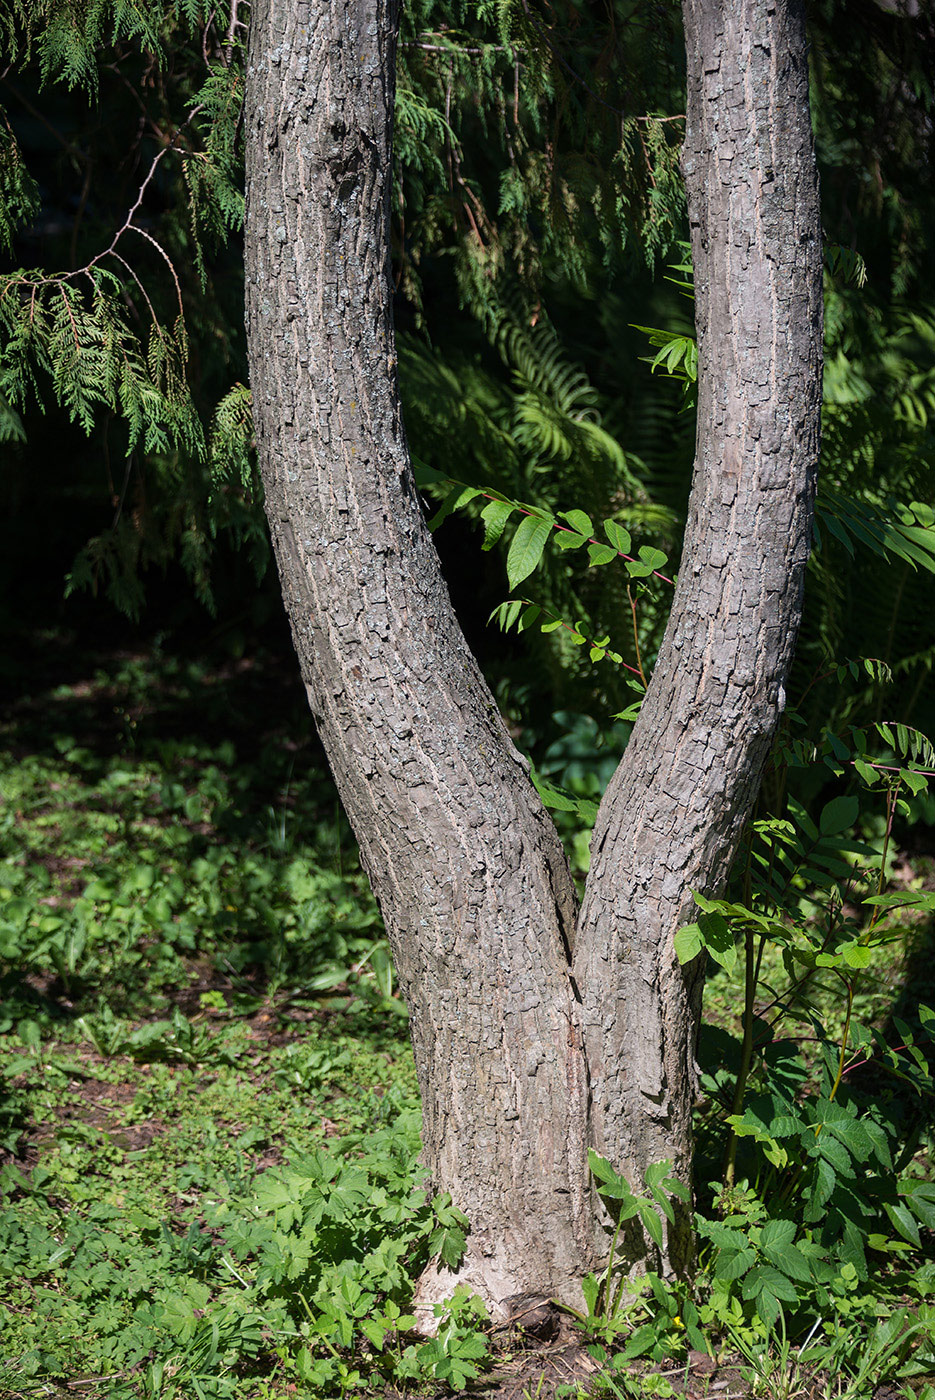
536	185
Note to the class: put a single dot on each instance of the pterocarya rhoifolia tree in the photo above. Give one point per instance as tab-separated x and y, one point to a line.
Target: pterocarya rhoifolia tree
539	1029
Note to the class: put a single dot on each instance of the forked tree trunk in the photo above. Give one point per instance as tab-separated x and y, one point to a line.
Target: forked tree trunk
472	881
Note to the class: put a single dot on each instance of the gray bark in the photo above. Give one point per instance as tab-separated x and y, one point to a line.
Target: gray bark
473	884
475	890
671	818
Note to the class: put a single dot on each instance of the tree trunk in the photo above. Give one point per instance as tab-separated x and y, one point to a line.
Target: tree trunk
672	816
472	881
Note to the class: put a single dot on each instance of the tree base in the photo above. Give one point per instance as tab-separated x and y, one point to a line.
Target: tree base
531	1309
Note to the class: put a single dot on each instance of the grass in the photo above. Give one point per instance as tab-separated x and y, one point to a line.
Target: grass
208	1110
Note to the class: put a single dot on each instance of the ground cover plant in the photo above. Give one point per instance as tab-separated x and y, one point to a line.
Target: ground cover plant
210	1120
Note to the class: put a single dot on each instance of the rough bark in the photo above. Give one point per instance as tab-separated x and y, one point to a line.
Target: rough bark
474	887
472	881
671	818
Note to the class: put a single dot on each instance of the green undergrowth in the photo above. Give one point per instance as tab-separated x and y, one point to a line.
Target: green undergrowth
209	1121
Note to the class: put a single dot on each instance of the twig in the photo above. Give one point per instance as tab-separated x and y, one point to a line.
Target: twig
454	48
232	28
567	529
636	636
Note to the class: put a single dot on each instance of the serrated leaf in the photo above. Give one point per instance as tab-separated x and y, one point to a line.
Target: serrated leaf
776	1233
374	1331
733	1264
526	548
495	515
451	1251
856	954
789	1260
765	1277
688	943
554	797
590	1287
833	1151
652	1224
724	1236
767	1305
640	1341
601	1168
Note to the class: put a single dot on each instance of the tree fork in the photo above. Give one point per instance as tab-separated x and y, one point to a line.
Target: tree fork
474	887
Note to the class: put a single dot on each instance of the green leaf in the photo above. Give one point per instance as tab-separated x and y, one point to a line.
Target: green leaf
600	554
554	797
764	1277
649	561
719	939
30	1034
640	1341
789	1260
767	1305
450	1247
776	1233
856	954
603	1171
688	943
578	521
526	548
495	515
618	537
458	496
652	1224
375	1331
838	815
833	1151
508	614
733	1264
902	1218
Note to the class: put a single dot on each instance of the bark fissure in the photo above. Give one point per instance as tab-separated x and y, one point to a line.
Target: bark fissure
525	1053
